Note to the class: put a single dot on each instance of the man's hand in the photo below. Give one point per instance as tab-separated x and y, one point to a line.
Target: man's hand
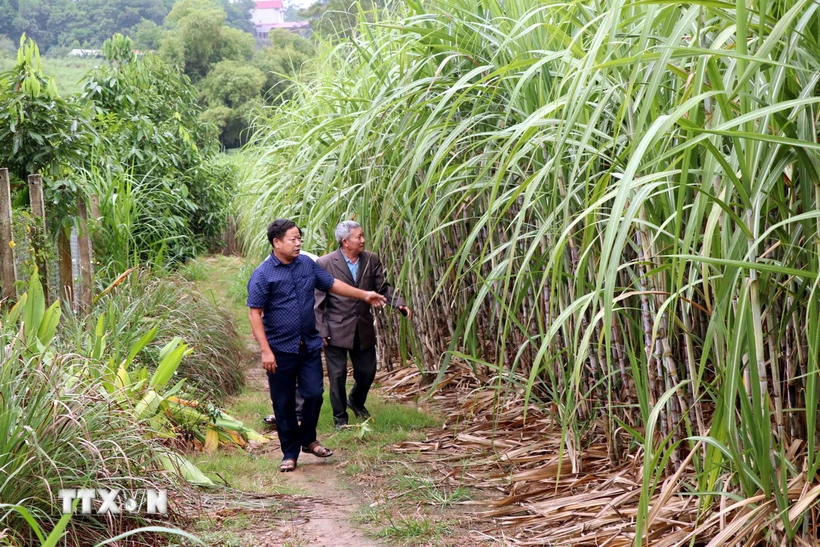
269	361
325	340
405	311
375	299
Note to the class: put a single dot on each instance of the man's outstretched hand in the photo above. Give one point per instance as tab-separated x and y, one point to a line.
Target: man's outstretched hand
375	299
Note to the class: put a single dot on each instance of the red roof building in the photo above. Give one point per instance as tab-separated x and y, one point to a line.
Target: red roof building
269	15
270	4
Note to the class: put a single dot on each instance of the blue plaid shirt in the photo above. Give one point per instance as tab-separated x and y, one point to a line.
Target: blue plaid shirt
284	292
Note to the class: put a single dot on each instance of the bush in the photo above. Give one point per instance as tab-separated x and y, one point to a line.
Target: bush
60	430
174	305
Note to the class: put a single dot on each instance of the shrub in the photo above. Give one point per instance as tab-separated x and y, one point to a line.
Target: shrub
178	309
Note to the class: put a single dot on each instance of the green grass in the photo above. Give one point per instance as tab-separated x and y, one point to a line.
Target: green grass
361	448
245	471
367	445
66	71
402	529
423	488
193	270
224	280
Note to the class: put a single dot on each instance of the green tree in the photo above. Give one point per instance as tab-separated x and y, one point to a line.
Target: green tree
232	83
197	38
147	35
283	60
90	22
238	14
338	19
40	132
31	18
232	90
148	112
235	124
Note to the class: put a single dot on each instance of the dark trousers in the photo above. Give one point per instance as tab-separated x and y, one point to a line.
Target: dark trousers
307	367
364	371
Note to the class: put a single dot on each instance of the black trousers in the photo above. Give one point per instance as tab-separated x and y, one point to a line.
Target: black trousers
364	371
306	367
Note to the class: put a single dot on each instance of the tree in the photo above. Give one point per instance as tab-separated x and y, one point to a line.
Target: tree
238	14
232	84
40	132
148	113
147	35
90	22
87	22
232	90
338	19
198	38
282	60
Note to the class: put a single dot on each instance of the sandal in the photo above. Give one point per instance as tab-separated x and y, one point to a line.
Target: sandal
318	449
270	419
287	466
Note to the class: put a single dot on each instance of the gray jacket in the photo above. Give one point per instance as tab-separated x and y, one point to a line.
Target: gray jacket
338	316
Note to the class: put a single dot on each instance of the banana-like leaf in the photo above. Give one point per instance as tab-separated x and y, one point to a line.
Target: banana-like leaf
148	405
170	358
35	306
48	325
211	440
17	309
140	345
187	470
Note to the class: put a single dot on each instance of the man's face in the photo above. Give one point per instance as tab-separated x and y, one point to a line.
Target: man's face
290	245
354	243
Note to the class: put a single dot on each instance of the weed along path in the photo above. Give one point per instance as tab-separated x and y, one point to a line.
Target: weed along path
366	494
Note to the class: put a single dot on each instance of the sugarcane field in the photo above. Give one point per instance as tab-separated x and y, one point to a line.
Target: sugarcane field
377	273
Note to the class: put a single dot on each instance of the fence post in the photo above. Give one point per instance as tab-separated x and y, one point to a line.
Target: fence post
84	243
8	276
39	235
66	268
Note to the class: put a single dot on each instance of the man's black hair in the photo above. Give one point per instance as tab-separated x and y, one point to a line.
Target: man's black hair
279	227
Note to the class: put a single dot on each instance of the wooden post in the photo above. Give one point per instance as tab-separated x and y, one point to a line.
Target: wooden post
39	234
84	243
94	199
8	275
66	268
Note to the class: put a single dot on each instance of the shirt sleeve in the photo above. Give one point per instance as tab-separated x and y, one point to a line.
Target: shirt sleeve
257	290
323	279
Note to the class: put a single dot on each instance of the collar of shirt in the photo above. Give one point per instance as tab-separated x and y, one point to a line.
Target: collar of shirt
276	262
352	266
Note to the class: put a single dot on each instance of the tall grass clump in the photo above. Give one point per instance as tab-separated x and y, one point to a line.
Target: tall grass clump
142	301
611	206
59	431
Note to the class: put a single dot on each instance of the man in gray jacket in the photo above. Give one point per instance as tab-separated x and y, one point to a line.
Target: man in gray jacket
346	324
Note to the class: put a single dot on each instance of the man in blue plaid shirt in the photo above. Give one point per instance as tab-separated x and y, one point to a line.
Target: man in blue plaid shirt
281	299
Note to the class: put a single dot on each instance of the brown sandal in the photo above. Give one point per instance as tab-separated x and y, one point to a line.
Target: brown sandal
287	466
318	449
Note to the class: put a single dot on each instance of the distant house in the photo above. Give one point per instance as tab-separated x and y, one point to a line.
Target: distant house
85	53
269	15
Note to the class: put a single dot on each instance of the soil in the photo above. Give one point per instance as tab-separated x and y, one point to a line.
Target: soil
328	522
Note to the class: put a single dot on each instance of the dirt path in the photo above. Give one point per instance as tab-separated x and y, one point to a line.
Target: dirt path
333	526
329	524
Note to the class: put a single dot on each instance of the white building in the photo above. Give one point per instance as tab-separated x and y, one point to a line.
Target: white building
270	14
